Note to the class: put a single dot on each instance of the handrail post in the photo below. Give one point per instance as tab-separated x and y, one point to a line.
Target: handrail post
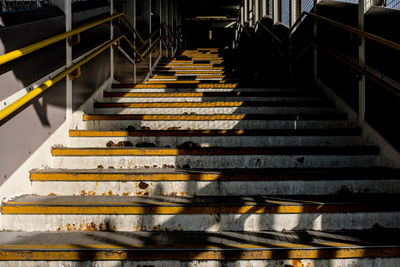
134	41
111	38
166	23
295	12
315	36
256	11
66	7
171	22
161	21
276	11
69	83
363	6
246	10
150	41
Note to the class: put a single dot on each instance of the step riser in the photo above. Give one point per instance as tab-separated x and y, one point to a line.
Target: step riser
207	99
201	222
194	90
215	161
212	263
215	110
222	141
213	188
209	125
196	79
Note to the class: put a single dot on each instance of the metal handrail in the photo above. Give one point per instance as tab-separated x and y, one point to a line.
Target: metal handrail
269	31
47	84
49	41
7	111
359	32
10	56
342	26
364	70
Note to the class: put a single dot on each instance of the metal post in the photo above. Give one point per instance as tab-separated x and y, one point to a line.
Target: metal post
111	38
264	7
315	31
251	12
176	23
246	11
363	6
257	11
295	10
166	22
68	27
241	15
276	9
160	11
134	42
171	23
150	34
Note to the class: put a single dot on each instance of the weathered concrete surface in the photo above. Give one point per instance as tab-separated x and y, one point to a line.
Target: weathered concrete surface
207	125
212	188
221	141
391	262
216	161
215	110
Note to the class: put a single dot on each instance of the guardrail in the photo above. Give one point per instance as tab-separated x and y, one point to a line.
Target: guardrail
372	74
7	111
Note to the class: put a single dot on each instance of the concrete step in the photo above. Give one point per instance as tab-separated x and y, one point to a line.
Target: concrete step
219	107
184	83
216	77
189	73
127	87
200	182
178	86
219	138
265	248
209	122
119	97
218	158
272	93
246	213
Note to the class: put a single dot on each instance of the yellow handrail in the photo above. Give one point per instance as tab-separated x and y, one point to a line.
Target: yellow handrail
41	44
49	41
47	84
4	113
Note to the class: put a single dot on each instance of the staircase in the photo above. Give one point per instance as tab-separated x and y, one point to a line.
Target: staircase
192	169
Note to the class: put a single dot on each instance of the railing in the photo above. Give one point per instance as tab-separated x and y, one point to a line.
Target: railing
74	71
369	72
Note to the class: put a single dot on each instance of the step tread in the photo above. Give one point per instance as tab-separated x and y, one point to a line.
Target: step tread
290	204
237	94
108	245
174	174
210	117
165	151
213	104
176	85
201	240
238	132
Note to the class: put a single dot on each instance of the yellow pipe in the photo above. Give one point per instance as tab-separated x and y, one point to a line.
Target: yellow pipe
47	84
36	46
133	48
